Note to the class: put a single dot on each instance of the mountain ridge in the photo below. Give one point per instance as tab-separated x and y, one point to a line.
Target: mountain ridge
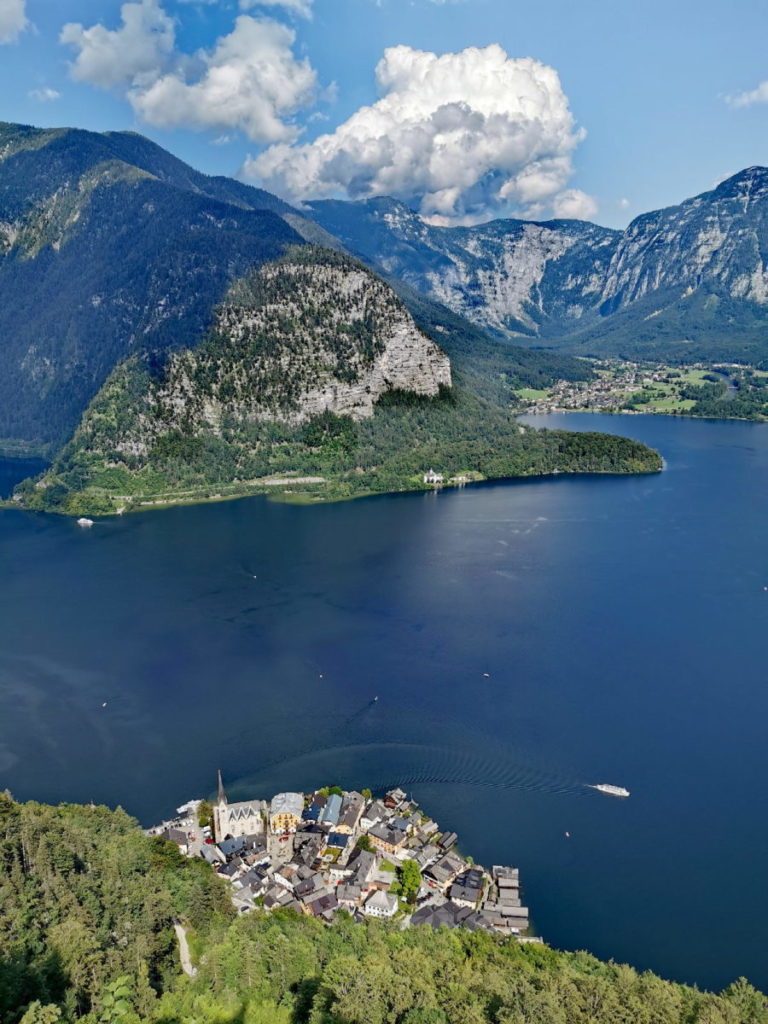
111	247
586	289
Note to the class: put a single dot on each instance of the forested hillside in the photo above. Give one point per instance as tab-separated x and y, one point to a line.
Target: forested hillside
110	247
88	904
315	381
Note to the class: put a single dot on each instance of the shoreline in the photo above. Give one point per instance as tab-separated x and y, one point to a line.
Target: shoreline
309	498
618	411
332	850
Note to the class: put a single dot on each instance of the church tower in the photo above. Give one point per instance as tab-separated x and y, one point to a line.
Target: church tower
219	830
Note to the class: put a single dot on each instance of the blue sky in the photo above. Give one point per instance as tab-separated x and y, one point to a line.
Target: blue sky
625	106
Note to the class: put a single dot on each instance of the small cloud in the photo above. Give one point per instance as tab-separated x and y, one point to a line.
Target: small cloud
573	204
624	204
301	7
750	97
44	95
13	20
140	47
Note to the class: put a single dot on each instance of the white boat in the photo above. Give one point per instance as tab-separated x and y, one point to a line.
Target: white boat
82	521
603	787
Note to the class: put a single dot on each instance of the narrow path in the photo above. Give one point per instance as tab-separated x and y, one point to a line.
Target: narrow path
186	961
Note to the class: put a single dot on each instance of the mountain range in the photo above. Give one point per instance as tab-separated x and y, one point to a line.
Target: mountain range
167	335
685	283
110	247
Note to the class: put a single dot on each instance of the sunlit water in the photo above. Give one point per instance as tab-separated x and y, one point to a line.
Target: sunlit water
621	622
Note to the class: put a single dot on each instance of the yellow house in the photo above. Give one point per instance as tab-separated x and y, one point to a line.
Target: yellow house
285	812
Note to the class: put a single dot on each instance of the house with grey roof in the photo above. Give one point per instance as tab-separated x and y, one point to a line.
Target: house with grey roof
349	896
381	904
352	808
445	869
375	811
386	837
463	896
285	812
363	866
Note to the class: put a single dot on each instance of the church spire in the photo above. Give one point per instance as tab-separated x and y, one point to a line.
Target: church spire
222	796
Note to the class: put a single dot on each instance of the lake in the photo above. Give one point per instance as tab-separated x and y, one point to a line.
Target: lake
621	622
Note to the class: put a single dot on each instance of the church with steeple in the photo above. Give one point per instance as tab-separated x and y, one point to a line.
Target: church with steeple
247	818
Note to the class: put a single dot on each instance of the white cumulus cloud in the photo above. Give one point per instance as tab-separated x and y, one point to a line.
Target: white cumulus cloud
13	19
750	97
138	49
249	81
463	135
573	204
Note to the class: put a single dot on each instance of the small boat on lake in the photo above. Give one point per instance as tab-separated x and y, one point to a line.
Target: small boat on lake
603	787
82	521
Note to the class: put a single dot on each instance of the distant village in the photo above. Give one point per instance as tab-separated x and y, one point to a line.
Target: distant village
332	851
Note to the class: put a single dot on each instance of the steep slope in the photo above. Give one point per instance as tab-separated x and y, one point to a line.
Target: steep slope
686	282
100	258
282	394
111	246
720	237
691	281
87	909
511	276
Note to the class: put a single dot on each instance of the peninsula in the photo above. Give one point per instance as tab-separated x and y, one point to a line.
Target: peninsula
334	850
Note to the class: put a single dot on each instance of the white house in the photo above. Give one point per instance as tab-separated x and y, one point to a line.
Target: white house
381	904
431	477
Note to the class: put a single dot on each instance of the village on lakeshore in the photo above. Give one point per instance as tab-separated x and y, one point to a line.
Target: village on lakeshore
332	850
622	386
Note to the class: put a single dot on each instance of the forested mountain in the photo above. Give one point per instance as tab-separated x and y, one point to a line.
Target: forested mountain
87	913
111	247
687	282
314	376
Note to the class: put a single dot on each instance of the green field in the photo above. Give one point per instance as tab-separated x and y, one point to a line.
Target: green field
532	394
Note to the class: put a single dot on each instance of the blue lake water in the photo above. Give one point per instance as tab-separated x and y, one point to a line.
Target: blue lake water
622	623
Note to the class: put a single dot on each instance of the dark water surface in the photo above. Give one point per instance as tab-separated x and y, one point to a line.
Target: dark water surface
13	471
623	623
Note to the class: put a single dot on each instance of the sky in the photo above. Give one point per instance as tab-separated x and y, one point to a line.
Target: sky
465	109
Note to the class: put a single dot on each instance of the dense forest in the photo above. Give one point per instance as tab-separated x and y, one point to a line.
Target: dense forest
217	420
87	912
456	433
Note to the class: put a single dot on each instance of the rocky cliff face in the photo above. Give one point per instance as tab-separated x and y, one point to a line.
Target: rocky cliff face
313	333
510	276
697	273
719	238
